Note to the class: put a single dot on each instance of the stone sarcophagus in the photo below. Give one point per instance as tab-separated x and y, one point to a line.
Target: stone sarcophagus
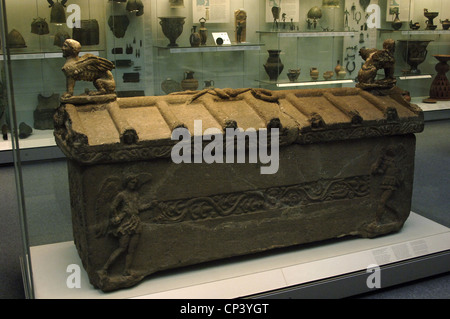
169	181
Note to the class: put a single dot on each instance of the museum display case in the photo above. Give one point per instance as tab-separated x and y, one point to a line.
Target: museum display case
173	47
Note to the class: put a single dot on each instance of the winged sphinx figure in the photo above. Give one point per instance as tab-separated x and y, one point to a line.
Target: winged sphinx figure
89	68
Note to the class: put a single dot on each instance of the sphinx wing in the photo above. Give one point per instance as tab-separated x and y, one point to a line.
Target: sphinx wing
109	189
90	67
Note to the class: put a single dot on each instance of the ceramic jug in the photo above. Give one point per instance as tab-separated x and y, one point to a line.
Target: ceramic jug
314	73
209	84
203	31
194	38
189	82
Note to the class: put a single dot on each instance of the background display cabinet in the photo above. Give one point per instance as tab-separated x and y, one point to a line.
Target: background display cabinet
160	47
206	44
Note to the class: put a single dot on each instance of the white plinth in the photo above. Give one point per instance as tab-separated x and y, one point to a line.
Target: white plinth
248	275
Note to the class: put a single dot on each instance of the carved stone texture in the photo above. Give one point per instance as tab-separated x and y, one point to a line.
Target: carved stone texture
346	164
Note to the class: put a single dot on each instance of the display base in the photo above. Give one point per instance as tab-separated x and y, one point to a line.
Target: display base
55	265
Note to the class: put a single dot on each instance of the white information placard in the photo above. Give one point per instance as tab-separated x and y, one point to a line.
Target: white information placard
223	35
214	11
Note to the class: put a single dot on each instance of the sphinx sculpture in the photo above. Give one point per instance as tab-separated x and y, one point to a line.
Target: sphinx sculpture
89	67
376	60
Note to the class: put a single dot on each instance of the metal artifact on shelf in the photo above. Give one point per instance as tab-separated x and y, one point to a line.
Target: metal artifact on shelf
135	6
39	26
88	33
15	40
314	14
118	24
58	11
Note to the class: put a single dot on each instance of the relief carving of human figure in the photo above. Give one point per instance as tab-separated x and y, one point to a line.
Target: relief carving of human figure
392	179
124	223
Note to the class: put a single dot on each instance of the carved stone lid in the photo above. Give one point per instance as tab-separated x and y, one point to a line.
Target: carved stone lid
140	128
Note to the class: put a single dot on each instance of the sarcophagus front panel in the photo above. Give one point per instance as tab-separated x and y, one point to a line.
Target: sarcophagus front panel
344	167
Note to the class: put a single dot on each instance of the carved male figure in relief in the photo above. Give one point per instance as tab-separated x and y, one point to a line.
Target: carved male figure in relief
121	218
376	60
392	179
89	68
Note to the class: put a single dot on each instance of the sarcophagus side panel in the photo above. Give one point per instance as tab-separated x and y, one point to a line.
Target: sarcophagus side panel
133	219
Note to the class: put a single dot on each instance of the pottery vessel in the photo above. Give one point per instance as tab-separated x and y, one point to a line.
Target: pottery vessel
396	24
328	75
274	66
172	28
189	83
445	24
293	74
194	38
414	53
338	68
203	31
440	87
414	26
430	16
209	84
314	73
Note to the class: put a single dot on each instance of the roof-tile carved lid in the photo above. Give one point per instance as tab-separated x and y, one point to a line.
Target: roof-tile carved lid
141	127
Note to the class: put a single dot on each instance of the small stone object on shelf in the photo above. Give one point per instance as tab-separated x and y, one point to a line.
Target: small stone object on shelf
5	132
25	130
